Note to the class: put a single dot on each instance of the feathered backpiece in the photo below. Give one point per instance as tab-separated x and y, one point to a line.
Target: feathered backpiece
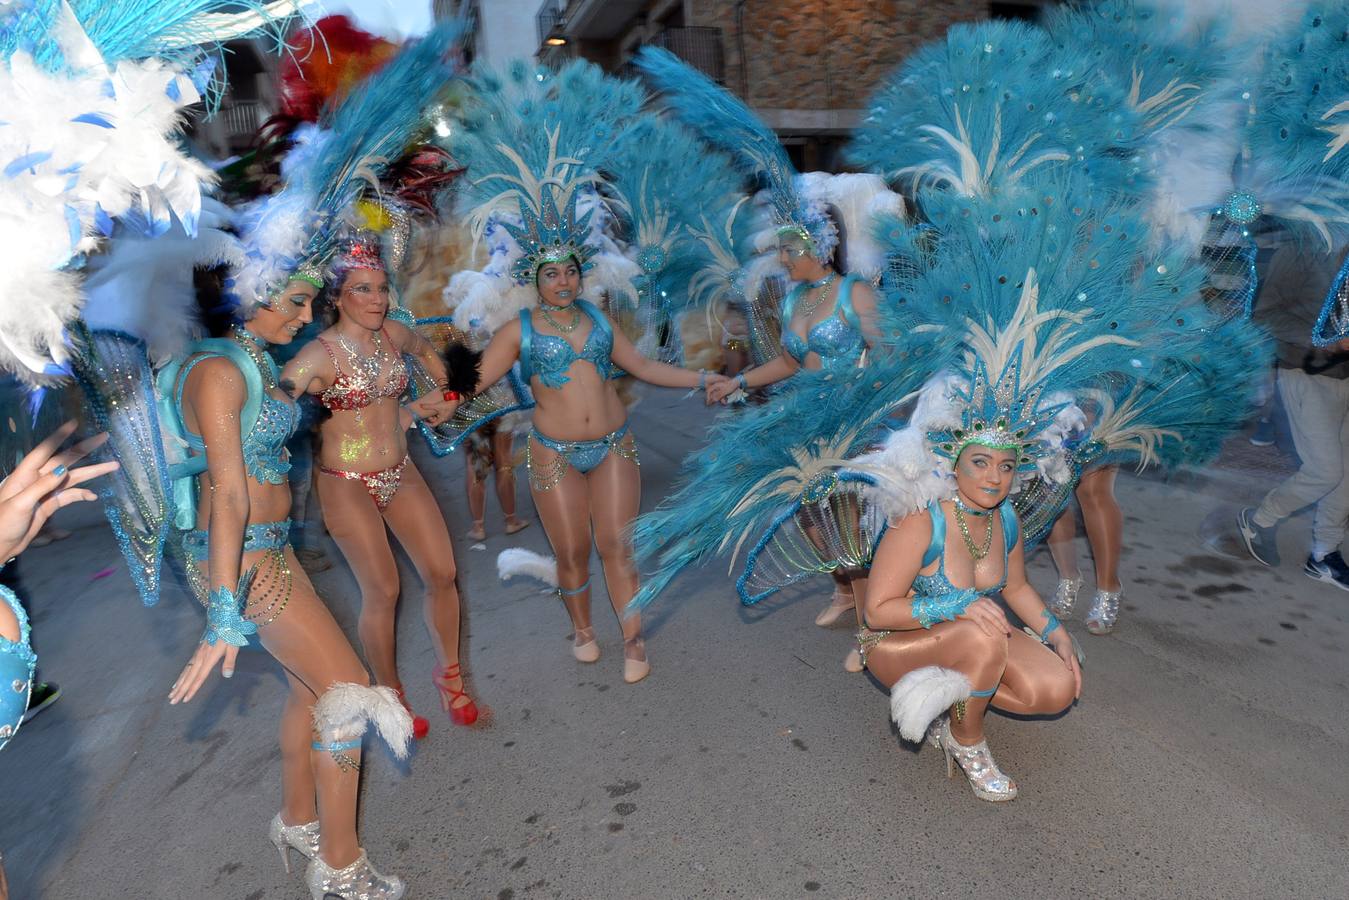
91	136
1295	168
722	120
665	184
979	110
1182	82
333	163
533	142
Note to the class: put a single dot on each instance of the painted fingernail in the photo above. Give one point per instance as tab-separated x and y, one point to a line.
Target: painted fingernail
59	470
227	673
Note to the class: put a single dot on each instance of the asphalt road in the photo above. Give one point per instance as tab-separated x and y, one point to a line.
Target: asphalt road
1209	756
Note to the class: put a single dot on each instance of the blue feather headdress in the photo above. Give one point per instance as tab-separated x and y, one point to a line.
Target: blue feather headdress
297	231
533	142
722	120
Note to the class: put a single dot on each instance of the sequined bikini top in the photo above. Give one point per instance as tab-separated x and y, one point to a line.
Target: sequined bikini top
834	339
357	391
549	356
264	443
937	584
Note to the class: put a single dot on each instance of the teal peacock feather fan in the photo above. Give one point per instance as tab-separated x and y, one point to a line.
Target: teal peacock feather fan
979	110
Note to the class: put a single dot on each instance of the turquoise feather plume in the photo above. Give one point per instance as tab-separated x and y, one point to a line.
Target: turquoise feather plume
980	109
721	119
527	130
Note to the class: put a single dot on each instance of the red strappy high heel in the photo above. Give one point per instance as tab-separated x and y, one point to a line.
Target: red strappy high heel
420	726
459	715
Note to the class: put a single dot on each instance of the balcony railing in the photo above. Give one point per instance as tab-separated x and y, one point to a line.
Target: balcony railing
699	46
551	18
241	119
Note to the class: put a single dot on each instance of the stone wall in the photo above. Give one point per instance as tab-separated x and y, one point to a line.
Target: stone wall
825	54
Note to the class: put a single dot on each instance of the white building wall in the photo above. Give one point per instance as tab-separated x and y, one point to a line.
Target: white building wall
508	29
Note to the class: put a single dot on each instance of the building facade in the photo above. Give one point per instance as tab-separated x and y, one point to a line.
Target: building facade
805	66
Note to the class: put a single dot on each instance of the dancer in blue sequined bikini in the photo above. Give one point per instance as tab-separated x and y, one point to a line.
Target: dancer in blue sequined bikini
582	459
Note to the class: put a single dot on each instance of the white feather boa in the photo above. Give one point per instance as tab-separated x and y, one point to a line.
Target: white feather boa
346	711
518	561
922	695
77	151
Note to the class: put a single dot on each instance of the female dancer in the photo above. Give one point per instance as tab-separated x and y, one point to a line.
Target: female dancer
828	320
366	478
927	620
581	457
227	404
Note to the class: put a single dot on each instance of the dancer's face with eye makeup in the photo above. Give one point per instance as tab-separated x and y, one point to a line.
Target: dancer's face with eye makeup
364	298
289	311
984	476
559	283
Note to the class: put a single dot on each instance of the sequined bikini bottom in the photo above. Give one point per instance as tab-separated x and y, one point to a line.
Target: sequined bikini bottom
382	485
583	456
258	536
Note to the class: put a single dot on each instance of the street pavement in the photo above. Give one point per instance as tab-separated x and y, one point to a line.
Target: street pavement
1208	756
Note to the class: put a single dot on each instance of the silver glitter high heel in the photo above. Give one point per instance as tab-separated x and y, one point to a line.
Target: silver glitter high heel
1104	611
976	762
358	881
304	838
1065	597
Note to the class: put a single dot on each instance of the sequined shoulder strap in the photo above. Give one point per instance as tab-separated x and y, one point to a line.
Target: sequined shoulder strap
937	545
526	346
845	303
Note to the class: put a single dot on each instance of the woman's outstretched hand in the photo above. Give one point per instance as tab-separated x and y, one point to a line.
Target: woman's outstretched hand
43	482
199	668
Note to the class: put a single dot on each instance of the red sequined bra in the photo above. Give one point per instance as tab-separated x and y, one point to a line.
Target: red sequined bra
352	392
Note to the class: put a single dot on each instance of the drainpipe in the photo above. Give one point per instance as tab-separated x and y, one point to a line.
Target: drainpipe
740	47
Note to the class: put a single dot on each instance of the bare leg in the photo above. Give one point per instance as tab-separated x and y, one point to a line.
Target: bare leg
298	804
960	645
857	589
615	497
416	520
564	510
1105	524
476	491
502	452
356	525
1035	682
1061	547
309	644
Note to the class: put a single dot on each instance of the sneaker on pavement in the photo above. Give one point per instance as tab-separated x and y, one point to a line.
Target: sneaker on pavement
1260	542
1263	435
43	695
1331	568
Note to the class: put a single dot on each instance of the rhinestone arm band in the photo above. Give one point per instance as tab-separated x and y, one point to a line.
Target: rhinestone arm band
929	610
225	621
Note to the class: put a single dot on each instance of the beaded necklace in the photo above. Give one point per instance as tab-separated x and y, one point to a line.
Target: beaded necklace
255	347
976	553
565	329
808	307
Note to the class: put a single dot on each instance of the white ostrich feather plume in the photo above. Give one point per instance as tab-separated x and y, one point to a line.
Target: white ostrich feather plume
79	150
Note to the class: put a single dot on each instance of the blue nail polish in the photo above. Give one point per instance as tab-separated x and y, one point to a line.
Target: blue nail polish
59	470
